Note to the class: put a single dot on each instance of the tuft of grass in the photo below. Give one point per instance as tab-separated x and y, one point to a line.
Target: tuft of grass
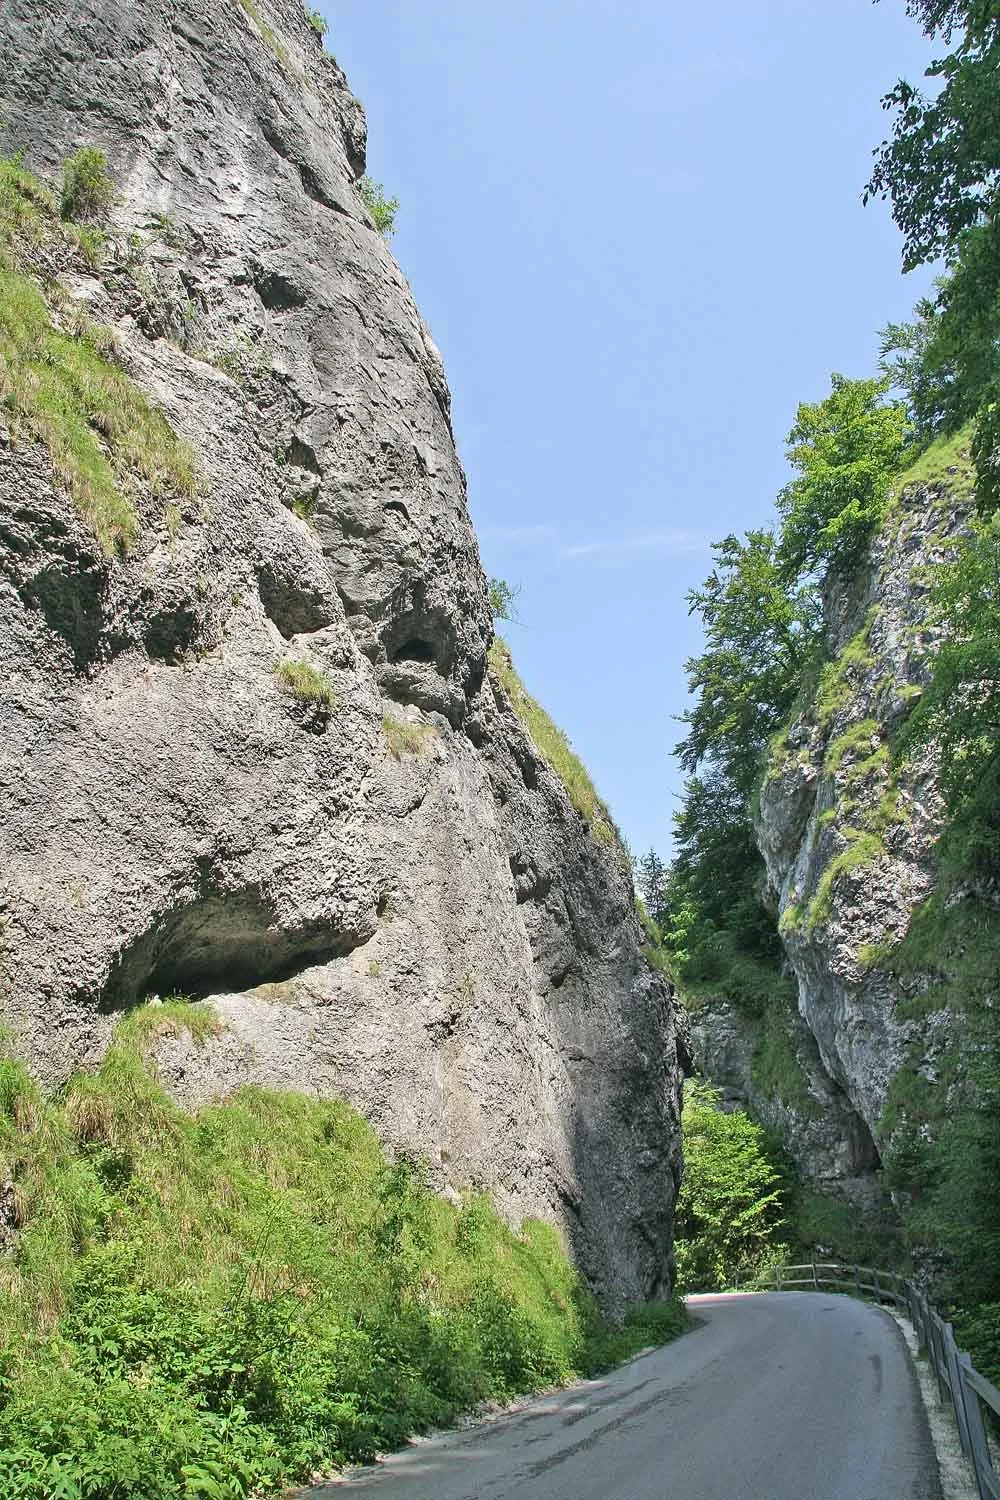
790	921
87	189
226	1303
858	737
26	207
271	38
841	678
555	748
301	680
404	738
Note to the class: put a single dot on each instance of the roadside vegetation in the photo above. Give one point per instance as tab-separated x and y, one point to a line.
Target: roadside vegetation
731	1210
219	1304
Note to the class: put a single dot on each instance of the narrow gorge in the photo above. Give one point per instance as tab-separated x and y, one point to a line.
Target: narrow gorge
342	1068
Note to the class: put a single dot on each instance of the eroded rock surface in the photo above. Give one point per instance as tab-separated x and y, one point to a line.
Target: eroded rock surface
846	833
389	897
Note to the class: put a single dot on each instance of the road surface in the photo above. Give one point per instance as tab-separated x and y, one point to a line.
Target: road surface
778	1396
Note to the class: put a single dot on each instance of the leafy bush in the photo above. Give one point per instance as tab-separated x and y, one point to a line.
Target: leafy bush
317	21
87	190
502	598
382	209
221	1304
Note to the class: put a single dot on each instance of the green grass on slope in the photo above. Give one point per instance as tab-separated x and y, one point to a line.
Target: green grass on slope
60	385
553	744
218	1304
945	461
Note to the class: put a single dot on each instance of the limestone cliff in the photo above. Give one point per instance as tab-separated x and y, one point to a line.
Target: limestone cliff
846	833
379	881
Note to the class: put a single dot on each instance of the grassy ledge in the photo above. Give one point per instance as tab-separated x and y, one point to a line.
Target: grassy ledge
555	747
59	383
945	461
223	1303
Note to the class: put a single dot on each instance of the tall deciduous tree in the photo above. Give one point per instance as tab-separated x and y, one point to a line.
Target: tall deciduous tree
941	165
846	450
757	631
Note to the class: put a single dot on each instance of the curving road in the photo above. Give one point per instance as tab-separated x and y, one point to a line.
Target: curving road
777	1396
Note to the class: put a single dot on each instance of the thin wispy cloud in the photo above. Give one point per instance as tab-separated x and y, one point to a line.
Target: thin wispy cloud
670	543
604	551
525	534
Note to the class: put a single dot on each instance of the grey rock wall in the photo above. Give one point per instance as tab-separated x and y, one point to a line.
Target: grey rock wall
415	918
827	1140
847	835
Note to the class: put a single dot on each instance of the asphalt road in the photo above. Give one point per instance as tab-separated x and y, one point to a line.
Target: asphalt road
779	1396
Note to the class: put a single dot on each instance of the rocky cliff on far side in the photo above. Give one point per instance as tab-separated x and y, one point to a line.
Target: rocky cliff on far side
251	747
846	829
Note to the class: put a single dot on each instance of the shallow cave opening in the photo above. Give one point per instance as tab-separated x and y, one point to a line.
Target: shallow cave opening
415	648
220	942
278	292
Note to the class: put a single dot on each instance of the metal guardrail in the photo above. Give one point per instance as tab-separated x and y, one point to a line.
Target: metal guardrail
956	1376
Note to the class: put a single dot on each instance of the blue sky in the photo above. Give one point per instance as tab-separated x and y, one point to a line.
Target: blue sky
635	230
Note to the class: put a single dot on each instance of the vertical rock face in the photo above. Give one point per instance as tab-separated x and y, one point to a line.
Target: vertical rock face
389	895
846	836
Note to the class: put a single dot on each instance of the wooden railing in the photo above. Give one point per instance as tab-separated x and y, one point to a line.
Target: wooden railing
957	1378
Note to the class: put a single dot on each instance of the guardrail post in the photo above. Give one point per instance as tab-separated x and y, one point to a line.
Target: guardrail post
857	1281
777	1278
957	1387
978	1446
937	1353
815	1272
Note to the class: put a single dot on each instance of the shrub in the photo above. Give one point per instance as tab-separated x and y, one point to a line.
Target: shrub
301	680
502	598
382	209
87	190
224	1304
318	22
